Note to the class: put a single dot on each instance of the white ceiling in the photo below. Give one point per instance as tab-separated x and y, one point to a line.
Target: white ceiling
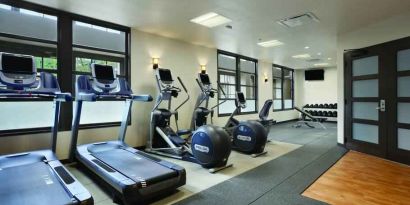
252	20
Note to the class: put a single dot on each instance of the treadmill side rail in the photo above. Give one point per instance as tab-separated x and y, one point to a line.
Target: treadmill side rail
75	188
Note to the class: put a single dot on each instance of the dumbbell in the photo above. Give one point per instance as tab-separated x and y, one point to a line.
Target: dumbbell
334	114
316	106
315	113
321	106
320	113
306	106
326	114
325	105
335	106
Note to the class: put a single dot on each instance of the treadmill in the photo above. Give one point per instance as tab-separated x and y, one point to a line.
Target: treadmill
36	177
133	176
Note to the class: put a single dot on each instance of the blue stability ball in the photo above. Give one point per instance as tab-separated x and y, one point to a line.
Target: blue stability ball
211	146
249	137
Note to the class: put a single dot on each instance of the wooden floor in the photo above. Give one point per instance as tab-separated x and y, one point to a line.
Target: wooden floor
363	179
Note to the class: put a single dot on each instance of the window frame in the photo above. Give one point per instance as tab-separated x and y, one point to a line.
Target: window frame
65	55
237	84
282	78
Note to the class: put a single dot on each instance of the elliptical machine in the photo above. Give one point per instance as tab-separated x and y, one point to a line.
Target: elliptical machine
248	137
210	146
201	113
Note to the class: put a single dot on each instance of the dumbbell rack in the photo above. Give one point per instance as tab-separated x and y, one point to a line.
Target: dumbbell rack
322	109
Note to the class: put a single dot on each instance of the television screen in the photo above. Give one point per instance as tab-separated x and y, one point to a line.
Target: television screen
314	75
241	97
165	75
103	72
205	79
17	64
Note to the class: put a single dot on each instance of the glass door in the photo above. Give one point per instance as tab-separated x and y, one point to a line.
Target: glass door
377	100
399	130
365	105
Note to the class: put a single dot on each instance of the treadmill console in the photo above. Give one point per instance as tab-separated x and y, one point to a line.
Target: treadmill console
240	100
17	71
104	78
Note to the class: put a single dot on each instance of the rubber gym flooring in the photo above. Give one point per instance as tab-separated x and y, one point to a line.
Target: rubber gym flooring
296	158
282	180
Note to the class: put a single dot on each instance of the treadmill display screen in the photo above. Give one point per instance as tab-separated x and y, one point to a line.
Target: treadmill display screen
17	64
165	75
241	98
205	79
103	72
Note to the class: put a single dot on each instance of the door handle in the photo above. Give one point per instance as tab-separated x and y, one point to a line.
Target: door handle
382	106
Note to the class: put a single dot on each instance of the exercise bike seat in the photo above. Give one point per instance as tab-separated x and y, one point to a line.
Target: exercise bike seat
184	132
177	140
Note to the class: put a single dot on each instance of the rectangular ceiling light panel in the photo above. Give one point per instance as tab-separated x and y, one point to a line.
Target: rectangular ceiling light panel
302	56
271	43
211	20
321	64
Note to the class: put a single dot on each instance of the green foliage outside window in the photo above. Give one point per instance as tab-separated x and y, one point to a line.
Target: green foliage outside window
83	64
46	63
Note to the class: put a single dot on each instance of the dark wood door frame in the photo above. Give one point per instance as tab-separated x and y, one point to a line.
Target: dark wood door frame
388	74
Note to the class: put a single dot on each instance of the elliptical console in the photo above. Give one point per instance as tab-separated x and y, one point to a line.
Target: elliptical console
210	146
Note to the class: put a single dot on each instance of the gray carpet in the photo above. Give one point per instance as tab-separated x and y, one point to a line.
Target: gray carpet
280	181
303	135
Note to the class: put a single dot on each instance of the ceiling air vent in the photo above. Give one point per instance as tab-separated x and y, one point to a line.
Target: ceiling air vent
298	20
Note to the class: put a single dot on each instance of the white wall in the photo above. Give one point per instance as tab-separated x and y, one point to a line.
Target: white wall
387	30
184	60
318	92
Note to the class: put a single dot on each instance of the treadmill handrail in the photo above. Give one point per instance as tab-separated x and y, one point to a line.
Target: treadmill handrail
91	97
62	97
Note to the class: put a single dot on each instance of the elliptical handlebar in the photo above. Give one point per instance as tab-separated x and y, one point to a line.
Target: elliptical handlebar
180	81
199	84
186	91
222	90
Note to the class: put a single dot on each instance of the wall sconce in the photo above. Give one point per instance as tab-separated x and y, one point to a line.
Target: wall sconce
203	69
155	62
265	78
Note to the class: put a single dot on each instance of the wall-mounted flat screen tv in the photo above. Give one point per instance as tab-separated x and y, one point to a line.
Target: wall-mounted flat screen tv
315	75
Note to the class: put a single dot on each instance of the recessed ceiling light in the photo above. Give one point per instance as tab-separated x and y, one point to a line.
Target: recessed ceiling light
303	56
319	54
210	20
270	43
321	64
307	47
329	58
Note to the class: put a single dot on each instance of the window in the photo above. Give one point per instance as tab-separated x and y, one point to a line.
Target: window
32	33
236	73
283	88
64	50
107	49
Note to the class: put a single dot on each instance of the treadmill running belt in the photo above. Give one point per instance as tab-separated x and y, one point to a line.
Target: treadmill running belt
34	184
135	167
